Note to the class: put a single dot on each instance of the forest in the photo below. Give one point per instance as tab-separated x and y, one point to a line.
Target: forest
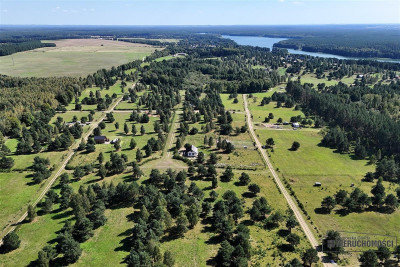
11	48
366	41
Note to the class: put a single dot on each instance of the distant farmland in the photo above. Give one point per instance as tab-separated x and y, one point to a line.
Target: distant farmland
72	57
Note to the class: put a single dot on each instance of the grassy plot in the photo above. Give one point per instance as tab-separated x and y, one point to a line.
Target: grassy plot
230	105
128	105
69	115
34	236
166	58
23	162
260	112
105	248
72	57
199	245
313	163
115	89
311	78
15	195
112	133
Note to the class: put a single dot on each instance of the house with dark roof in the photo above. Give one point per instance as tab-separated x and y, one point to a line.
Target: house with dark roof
101	139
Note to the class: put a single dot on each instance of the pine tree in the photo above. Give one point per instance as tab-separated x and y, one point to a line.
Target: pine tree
10	242
169	259
139	155
31	213
126	129
134	131
132	144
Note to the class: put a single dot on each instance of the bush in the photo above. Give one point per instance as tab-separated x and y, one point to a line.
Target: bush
295	146
10	242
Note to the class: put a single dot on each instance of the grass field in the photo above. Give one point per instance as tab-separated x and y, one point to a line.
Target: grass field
14	184
72	57
313	163
260	112
311	78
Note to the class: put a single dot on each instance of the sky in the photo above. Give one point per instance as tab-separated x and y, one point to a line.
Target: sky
198	12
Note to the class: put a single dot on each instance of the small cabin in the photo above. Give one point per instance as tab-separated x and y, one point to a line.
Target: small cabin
101	139
317	184
192	152
295	124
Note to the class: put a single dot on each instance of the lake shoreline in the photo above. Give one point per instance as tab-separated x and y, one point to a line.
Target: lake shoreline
268	42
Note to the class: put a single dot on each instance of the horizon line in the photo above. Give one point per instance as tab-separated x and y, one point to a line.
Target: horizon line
202	25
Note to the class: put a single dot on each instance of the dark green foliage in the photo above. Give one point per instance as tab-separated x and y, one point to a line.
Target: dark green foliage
259	209
31	213
244	179
328	203
384	254
369	258
69	248
169	259
337	248
295	146
254	189
6	163
46	256
83	229
227	176
11	48
293	239
10	242
309	257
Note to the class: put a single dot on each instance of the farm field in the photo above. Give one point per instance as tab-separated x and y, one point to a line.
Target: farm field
72	57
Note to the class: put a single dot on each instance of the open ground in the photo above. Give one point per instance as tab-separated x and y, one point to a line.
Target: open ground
72	57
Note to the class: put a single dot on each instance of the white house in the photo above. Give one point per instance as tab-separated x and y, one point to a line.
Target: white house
295	124
192	152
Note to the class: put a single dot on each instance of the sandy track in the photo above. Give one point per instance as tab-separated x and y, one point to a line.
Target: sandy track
289	200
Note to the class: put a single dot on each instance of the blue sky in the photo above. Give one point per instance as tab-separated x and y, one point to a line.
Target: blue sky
198	12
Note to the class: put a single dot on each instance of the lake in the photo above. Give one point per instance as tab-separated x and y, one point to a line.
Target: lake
269	43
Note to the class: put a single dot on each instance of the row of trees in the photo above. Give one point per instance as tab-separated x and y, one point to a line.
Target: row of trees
358	200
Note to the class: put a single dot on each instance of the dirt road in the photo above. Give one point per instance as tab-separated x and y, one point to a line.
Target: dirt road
289	200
